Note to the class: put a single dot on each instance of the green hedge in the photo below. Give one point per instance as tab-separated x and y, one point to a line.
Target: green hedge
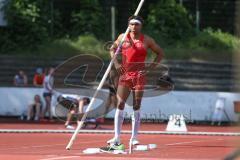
208	44
214	40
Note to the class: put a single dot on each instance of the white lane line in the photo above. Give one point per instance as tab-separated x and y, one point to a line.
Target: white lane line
189	142
39	146
63	157
26	147
88	131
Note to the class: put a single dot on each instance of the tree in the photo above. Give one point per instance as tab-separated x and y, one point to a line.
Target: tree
168	22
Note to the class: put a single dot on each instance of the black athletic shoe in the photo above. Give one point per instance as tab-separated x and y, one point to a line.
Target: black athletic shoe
111	148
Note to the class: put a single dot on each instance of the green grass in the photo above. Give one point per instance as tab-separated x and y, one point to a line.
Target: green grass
207	45
69	47
65	47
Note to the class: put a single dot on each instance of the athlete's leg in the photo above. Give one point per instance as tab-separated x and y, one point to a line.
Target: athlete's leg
137	98
122	95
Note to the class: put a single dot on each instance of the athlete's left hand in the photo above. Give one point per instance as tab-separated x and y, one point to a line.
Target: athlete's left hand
148	68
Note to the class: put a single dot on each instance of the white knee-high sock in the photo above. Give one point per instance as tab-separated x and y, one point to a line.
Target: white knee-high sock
135	123
118	121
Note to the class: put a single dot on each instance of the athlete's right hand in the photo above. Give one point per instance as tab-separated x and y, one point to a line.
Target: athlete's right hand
120	69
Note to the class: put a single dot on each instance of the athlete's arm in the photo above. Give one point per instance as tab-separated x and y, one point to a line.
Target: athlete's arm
80	110
156	49
80	106
114	47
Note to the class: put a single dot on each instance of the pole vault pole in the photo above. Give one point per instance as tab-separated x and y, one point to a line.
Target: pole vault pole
80	124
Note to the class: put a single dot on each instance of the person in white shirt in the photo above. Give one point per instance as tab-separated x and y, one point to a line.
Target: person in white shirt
47	92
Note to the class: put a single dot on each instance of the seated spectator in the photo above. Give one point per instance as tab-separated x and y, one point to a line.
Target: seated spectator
34	109
20	79
38	77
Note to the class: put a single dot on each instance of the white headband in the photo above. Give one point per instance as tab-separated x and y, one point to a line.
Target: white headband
135	21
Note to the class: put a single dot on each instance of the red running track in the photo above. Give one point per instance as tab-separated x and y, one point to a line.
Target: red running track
51	146
43	146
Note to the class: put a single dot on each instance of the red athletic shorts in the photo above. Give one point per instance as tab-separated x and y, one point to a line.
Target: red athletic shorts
133	80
